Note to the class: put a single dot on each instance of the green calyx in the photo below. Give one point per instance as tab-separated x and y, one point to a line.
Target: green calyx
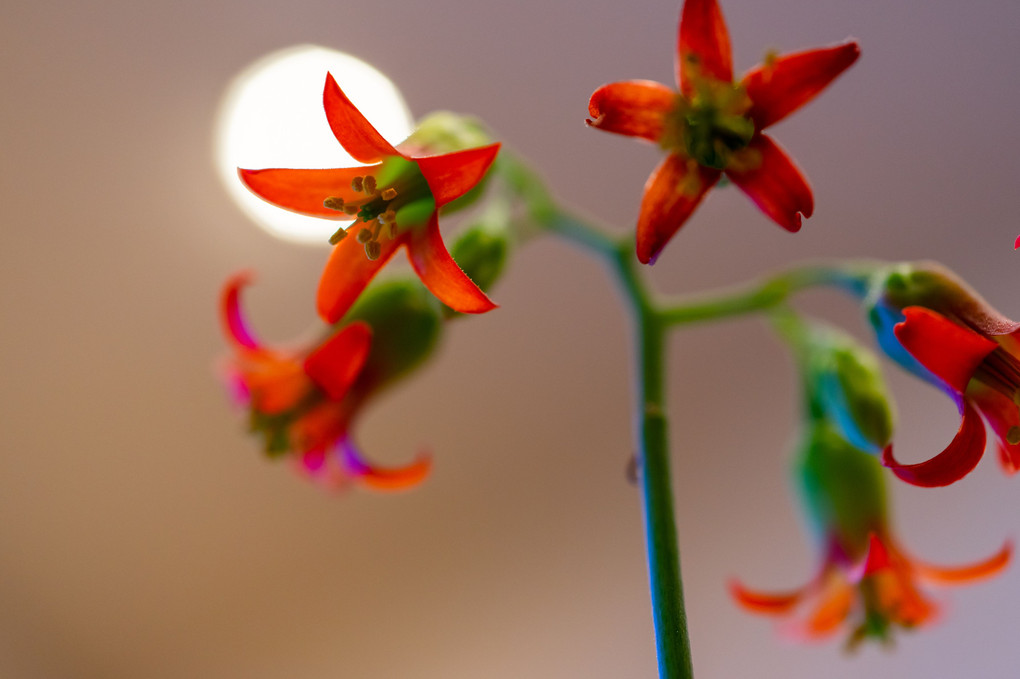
406	327
712	127
481	252
843	488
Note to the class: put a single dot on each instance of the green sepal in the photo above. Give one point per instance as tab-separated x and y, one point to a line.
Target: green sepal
406	328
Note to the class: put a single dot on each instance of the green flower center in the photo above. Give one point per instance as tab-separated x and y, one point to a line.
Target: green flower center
712	125
396	196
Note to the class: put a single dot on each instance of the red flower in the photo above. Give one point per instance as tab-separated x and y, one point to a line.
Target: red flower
302	401
713	126
865	579
879	588
394	201
979	367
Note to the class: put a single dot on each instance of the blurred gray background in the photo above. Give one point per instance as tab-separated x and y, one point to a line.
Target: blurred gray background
142	535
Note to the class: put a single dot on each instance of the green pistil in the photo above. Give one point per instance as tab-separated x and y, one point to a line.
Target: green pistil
712	125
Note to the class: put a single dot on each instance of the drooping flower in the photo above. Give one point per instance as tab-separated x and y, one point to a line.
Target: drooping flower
937	327
394	201
302	401
714	126
865	580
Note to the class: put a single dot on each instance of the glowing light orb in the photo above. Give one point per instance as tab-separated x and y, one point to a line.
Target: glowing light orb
271	116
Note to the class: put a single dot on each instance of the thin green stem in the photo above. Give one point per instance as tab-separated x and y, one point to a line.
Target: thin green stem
669	615
770	293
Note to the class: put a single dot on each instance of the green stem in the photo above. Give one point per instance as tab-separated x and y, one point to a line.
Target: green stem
769	294
672	640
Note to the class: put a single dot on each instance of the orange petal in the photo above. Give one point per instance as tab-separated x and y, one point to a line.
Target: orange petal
451	175
230	311
950	351
636	108
780	87
440	273
671	195
703	45
836	600
767	603
993	565
952	464
379	478
303	191
775	184
348	270
335	364
358	137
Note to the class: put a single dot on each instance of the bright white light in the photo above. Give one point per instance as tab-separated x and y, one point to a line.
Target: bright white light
271	116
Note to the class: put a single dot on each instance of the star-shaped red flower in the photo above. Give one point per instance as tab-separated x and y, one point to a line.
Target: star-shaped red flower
394	201
714	126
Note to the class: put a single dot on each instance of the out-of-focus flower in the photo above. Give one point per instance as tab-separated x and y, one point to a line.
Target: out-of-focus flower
937	327
865	580
714	126
302	401
394	201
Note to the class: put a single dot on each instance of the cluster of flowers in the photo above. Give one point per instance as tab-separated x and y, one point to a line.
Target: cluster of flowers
925	319
302	401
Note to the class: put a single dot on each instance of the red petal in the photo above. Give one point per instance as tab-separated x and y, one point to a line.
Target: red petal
703	45
951	352
780	87
451	175
993	565
440	273
303	191
952	464
1002	415
230	311
671	195
775	184
767	603
335	364
348	270
877	559
358	137
636	108
379	478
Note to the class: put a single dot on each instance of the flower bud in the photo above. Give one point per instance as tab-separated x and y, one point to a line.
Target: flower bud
481	251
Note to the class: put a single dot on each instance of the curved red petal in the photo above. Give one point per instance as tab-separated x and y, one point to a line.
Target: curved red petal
950	351
672	193
774	183
358	137
451	175
380	478
767	603
956	575
636	108
703	45
303	191
348	270
337	362
234	325
952	464
440	273
1003	416
780	87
